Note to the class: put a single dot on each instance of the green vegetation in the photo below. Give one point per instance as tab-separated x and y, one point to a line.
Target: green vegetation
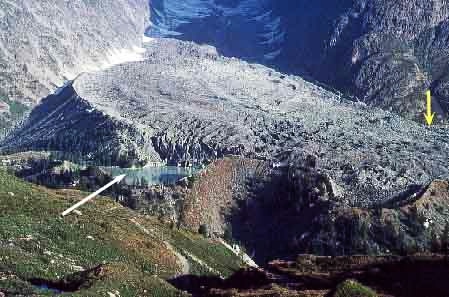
217	257
16	109
16	113
351	288
132	251
191	181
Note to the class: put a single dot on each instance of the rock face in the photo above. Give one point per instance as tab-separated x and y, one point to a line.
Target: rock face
414	224
216	192
400	49
387	54
44	43
279	212
185	103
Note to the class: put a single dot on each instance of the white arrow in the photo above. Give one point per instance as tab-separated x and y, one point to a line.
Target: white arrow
117	179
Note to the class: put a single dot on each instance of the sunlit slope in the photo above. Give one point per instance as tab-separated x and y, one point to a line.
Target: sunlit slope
131	254
386	53
197	106
43	43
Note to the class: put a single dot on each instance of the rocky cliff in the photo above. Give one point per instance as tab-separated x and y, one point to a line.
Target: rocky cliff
389	53
386	54
45	43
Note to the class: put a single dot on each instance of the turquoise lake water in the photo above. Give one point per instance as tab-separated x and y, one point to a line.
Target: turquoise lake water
151	175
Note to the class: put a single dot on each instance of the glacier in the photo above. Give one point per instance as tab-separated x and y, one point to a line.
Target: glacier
248	29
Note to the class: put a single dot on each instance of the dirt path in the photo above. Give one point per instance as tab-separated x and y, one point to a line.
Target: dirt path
184	263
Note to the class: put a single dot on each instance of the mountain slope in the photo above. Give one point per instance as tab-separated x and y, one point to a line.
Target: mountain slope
45	43
106	249
277	213
185	103
398	52
385	53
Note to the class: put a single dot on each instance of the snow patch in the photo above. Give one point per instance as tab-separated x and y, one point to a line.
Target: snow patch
112	58
238	252
69	76
60	89
147	39
121	56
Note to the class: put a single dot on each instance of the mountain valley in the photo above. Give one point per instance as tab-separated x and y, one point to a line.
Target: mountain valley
302	164
379	52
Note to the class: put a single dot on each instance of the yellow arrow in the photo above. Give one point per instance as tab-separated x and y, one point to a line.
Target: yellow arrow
429	115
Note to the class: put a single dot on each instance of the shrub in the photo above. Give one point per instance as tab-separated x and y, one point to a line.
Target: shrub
351	288
204	230
227	236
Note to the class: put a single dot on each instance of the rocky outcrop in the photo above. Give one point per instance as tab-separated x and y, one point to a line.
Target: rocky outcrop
386	54
67	123
307	182
279	212
416	223
216	191
400	51
45	43
184	103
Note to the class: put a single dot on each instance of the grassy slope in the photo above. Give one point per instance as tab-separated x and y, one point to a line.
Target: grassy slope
16	112
16	109
36	243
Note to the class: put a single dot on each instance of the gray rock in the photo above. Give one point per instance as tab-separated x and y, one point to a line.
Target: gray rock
186	103
43	43
385	53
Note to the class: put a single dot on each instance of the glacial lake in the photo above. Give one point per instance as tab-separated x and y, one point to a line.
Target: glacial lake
166	175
